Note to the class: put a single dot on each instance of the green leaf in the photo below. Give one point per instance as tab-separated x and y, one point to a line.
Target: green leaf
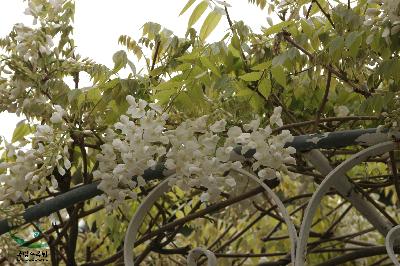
186	7
132	66
168	85
265	87
353	42
235	42
390	69
120	60
279	59
197	12
179	214
336	47
207	63
209	24
20	131
262	66
277	28
307	28
243	92
252	76
163	96
279	74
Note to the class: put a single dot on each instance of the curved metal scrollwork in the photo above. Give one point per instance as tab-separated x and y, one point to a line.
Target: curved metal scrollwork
298	243
137	219
195	254
291	229
323	188
392	238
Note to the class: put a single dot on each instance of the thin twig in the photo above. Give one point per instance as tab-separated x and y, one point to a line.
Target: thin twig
325	13
324	100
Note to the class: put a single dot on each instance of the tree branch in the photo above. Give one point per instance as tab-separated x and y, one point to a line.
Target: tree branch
356	88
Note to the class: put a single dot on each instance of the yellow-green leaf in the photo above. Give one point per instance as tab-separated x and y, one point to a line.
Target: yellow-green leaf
179	214
186	7
235	42
252	76
265	87
207	63
120	60
209	24
279	74
277	28
20	131
262	66
197	12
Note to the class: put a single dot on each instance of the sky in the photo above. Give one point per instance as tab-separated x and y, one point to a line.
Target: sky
99	23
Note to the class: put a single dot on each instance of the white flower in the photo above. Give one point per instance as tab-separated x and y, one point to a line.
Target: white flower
218	126
197	153
267	173
61	170
156	107
56	4
253	125
234	132
67	163
131	100
54	182
56	118
341	111
275	118
136	112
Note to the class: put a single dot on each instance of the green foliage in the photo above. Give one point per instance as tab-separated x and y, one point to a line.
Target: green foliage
209	24
21	130
197	12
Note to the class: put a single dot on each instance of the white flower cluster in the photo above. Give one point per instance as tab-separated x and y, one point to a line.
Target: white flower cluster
38	8
197	153
31	43
137	146
57	116
383	13
26	169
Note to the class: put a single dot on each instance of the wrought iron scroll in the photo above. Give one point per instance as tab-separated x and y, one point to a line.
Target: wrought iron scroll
323	188
155	194
392	238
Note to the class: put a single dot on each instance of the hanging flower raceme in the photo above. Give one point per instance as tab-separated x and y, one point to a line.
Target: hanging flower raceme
199	154
29	169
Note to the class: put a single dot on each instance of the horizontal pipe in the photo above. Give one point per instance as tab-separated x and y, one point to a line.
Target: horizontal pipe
301	143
